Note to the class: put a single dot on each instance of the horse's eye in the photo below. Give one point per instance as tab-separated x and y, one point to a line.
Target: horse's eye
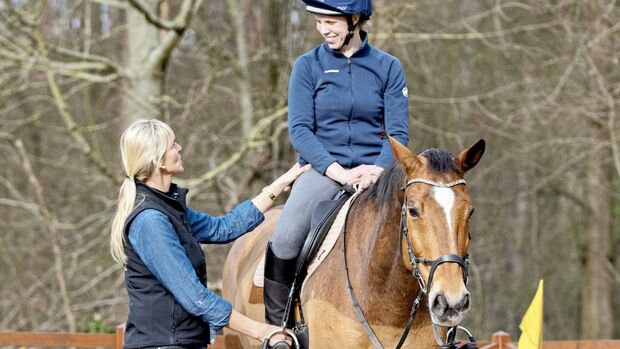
413	213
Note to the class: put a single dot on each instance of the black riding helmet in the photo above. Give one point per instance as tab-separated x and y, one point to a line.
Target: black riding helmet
346	8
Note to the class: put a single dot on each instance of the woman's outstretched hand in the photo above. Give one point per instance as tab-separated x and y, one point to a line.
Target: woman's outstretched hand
268	195
287	179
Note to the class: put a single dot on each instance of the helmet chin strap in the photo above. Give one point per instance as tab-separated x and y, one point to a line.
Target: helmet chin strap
350	31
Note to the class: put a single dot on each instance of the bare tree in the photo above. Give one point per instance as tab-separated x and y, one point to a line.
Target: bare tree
539	80
148	54
236	12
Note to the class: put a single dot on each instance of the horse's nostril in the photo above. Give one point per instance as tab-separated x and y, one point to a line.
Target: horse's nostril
440	305
463	304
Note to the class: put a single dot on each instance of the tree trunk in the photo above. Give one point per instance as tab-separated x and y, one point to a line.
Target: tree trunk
237	13
597	297
597	311
146	85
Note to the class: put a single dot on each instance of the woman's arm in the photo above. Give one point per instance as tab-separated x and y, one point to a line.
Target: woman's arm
301	117
243	218
253	328
396	112
224	229
152	236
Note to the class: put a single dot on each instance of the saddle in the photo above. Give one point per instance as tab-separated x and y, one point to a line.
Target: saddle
322	220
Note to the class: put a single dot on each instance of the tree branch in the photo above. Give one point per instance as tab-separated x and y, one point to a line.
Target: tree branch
63	109
160	54
253	141
54	235
115	3
152	18
412	37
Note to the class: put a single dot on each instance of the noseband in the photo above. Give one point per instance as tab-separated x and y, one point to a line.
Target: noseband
434	263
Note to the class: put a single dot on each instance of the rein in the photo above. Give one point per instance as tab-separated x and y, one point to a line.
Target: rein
423	289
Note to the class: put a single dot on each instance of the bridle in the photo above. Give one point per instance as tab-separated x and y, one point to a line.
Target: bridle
423	288
415	261
434	263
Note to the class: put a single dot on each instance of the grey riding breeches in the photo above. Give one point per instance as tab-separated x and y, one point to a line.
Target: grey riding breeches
294	225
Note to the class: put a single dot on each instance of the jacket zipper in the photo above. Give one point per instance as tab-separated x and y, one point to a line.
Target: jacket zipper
351	111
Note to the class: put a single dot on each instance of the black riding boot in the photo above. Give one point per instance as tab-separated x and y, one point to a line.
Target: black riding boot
279	275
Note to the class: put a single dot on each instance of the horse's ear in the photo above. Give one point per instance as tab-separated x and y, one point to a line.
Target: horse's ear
403	155
468	158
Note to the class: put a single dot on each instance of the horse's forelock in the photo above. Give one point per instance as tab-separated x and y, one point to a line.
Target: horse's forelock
440	161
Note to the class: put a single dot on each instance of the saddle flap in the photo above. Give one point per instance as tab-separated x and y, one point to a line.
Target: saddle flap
322	219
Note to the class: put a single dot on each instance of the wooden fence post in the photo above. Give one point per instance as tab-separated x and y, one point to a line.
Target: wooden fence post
500	340
120	336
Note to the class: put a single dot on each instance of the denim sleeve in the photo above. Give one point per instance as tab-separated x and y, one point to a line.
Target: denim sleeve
152	236
208	229
301	118
396	112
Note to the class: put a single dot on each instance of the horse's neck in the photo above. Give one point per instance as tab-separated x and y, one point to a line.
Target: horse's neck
381	268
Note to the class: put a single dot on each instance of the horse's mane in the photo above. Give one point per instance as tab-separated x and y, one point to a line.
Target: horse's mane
389	185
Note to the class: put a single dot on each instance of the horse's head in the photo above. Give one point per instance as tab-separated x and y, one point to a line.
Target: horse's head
437	209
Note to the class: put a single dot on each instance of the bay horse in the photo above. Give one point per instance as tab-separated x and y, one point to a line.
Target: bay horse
376	255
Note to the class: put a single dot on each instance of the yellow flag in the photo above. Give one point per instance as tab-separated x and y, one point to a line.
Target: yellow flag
532	324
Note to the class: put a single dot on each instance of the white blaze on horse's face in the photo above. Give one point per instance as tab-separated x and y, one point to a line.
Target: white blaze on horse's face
445	199
448	307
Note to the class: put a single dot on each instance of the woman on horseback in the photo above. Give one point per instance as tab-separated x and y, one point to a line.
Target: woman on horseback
344	97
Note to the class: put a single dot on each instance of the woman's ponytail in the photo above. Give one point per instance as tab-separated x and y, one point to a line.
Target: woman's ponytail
143	143
126	200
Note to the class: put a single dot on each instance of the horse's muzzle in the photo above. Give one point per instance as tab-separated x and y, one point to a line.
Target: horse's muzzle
448	310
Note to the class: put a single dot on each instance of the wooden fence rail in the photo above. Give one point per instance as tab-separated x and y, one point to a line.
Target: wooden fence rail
81	340
499	340
58	339
502	340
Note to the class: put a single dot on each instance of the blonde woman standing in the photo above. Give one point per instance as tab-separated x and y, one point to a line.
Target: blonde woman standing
157	238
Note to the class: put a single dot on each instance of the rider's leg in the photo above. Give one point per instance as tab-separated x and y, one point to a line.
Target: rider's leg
291	231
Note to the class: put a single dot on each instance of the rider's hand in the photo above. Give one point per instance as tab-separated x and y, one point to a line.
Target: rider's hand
365	175
365	181
362	170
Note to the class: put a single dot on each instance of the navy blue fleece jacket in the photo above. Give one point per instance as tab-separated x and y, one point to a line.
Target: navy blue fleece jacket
340	108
